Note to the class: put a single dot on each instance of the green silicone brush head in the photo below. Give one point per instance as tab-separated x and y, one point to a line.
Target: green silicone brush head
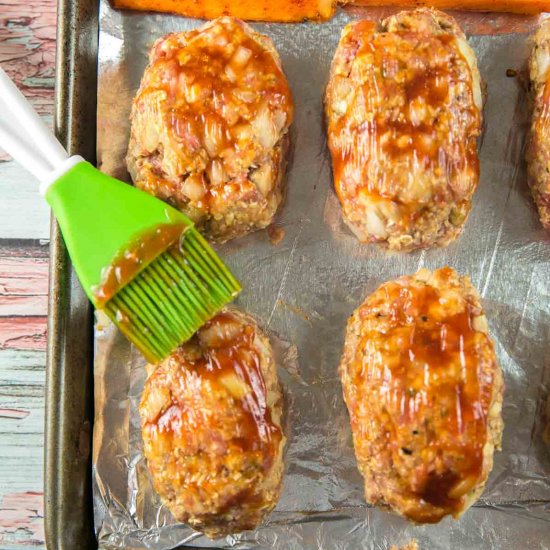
169	300
139	259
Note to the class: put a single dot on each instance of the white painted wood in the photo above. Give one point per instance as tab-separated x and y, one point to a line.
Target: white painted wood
22	379
24	214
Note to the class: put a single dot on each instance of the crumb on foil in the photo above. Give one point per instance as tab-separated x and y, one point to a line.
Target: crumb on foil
275	234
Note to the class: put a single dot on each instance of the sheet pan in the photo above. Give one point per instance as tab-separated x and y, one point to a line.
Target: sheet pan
68	516
303	290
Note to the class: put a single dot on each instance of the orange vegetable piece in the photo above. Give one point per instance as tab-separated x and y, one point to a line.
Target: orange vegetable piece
514	6
250	10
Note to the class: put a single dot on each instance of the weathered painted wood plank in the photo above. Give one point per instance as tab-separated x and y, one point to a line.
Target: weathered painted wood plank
22	463
21	519
24	368
23	302
32	272
23	212
23	305
23	287
16	414
23	310
27	53
21	448
23	291
23	277
22	381
23	333
24	248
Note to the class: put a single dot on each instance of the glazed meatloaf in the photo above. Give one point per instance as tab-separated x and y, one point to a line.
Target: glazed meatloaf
538	150
403	108
209	130
424	393
211	425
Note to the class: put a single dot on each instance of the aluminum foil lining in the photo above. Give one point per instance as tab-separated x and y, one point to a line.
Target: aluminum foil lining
302	292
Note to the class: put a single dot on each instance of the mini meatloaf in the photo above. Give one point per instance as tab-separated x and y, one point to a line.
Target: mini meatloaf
403	108
424	392
211	426
538	151
210	127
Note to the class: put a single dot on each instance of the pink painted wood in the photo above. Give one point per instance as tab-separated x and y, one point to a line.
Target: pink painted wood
27	53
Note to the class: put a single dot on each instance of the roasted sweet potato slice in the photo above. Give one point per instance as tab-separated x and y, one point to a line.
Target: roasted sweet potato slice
317	10
513	6
250	10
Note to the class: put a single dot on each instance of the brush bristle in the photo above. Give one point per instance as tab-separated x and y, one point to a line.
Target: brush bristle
167	302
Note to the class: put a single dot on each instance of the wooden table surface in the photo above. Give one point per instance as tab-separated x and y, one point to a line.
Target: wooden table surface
27	53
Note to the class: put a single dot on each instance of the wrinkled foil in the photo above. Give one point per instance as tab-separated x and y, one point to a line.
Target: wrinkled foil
302	292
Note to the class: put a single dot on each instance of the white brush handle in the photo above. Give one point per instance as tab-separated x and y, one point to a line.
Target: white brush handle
19	147
25	136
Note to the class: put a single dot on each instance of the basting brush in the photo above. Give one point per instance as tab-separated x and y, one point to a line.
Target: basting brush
137	258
